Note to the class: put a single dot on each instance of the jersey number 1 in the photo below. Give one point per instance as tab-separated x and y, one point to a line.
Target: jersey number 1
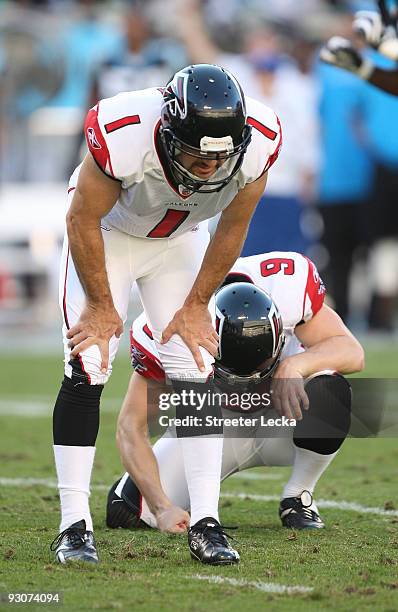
170	222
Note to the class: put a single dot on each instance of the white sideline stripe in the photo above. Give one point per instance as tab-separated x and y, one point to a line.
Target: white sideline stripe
42	482
267	587
322	503
44	407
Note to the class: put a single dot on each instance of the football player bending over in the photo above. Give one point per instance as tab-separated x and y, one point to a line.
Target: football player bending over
276	334
160	162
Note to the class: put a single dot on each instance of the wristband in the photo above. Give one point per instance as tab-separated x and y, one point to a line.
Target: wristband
365	70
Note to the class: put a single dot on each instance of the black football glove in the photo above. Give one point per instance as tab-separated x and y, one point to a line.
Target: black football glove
369	25
341	52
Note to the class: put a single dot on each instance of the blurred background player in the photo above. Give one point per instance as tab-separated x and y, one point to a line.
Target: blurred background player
301	388
379	31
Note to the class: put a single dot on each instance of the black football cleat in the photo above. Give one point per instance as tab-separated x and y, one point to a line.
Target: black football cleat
296	513
123	512
208	543
75	544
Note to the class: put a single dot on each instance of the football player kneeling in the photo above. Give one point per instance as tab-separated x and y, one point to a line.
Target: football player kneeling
278	340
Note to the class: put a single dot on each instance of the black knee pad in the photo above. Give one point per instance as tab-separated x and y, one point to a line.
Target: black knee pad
76	413
132	496
325	425
199	409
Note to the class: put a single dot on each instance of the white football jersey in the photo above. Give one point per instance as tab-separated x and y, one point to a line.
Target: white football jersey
291	279
122	135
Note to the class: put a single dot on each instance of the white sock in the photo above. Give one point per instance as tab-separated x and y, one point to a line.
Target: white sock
74	465
308	467
202	463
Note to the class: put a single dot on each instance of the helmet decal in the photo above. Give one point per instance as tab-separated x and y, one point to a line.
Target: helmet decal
209	144
220	318
276	325
177	90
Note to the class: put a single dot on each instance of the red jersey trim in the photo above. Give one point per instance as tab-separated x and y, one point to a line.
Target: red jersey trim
147	331
78	357
272	158
96	141
83	369
314	289
152	368
245	277
123	122
64	296
271	134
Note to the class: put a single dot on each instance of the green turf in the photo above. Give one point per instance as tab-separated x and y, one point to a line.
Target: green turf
352	565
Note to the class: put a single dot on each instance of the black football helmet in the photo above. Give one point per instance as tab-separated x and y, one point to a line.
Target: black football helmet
251	334
203	114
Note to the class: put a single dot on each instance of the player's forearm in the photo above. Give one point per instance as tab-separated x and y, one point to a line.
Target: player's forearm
87	249
192	32
221	254
341	353
140	462
387	80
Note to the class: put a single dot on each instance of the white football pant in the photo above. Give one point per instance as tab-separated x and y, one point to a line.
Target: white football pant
165	270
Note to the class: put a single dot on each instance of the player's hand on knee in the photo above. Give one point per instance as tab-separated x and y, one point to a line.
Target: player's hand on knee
95	326
288	394
194	326
172	519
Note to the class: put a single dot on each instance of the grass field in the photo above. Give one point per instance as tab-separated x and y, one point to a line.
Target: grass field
351	565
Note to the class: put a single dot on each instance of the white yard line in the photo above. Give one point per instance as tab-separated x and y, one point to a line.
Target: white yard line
322	503
246	475
267	587
42	482
43	406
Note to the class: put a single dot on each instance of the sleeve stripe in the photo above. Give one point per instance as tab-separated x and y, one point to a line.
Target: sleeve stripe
266	131
314	289
96	142
272	158
123	122
110	176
